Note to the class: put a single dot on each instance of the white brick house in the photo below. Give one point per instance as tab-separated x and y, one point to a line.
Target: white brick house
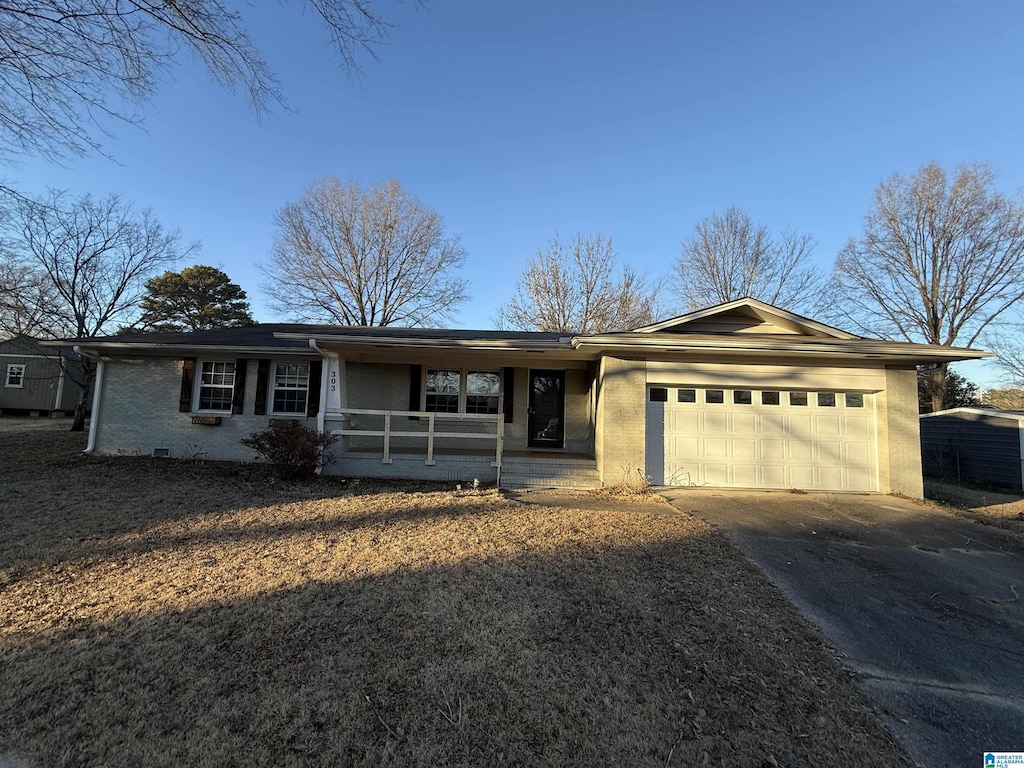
738	395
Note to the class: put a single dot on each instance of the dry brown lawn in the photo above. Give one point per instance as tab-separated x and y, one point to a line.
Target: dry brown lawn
1001	509
173	614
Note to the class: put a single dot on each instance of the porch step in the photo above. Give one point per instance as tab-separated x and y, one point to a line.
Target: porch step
549	470
577	481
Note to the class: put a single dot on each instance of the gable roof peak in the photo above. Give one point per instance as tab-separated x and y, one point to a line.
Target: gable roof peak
761	311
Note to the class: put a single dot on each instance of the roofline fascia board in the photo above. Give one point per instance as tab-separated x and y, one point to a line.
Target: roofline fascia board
979	411
170	349
760	309
864	347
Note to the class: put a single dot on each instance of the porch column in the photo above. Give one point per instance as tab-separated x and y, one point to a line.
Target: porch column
335	392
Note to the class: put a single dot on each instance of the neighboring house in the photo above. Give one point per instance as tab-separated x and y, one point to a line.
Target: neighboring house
36	379
738	395
977	445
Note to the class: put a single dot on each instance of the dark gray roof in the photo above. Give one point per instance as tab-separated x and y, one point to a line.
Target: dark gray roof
264	336
29	346
22	345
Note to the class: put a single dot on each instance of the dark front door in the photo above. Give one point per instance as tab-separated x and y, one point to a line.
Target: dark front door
547	409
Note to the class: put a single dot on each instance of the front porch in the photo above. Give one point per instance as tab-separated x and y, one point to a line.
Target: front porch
519	469
433	446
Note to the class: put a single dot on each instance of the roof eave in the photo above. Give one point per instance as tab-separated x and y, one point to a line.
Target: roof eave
177	349
392	342
839	348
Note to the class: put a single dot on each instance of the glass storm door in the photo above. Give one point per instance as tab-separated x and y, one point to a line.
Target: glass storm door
547	409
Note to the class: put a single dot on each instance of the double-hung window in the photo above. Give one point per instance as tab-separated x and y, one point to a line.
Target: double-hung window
482	390
450	390
216	386
15	376
443	390
291	388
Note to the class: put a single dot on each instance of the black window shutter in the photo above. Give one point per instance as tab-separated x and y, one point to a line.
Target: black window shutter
188	372
508	378
238	394
415	380
262	374
316	369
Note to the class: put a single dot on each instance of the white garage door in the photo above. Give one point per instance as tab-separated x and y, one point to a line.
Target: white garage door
743	438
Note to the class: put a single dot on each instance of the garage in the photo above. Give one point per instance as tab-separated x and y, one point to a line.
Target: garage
761	438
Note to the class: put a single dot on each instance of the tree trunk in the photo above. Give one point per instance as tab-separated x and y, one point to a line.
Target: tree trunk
78	423
938	386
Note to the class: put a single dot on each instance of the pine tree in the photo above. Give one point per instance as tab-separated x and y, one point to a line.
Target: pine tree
196	299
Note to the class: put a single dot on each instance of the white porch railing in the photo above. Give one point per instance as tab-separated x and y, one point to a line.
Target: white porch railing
498	420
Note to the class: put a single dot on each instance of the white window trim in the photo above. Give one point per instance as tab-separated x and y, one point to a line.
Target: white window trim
21	378
272	388
463	373
197	384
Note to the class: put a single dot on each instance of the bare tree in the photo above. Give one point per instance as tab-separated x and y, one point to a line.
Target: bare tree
26	296
1011	399
1009	351
68	67
96	255
571	287
373	256
941	258
730	257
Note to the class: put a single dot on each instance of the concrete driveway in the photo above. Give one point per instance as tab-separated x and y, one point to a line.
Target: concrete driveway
925	605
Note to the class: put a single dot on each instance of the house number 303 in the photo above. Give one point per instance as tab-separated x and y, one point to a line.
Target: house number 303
334	381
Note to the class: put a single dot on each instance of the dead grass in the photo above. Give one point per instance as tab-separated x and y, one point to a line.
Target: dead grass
161	613
1001	509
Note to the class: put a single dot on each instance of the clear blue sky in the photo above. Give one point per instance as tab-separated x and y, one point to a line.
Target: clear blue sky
515	120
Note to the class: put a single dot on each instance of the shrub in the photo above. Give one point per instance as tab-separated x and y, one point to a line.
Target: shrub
294	451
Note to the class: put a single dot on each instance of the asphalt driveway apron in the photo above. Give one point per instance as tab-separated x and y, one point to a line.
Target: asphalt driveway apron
925	606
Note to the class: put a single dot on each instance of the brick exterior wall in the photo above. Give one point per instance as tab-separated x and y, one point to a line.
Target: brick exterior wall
621	420
899	435
139	412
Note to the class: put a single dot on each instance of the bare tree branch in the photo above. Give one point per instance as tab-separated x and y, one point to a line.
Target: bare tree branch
729	257
68	68
373	256
570	287
1009	349
941	259
85	262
